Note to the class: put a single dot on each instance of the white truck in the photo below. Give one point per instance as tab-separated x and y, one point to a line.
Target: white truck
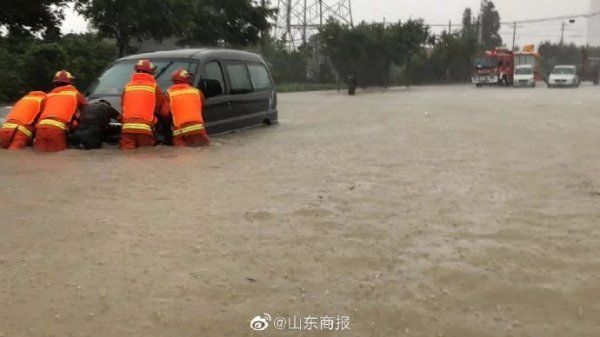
524	76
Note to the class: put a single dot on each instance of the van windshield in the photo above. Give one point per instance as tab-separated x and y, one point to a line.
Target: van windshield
524	71
113	80
564	71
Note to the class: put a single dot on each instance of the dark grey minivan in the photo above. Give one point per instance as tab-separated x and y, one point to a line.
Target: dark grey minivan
238	88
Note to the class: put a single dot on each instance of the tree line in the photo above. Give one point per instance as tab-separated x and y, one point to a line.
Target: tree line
32	47
398	53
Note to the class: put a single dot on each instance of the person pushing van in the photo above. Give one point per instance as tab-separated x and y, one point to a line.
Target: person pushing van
19	129
59	114
184	104
142	100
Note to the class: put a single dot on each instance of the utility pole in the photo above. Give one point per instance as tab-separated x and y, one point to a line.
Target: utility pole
304	25
514	35
289	23
562	34
480	39
350	10
321	12
450	27
264	35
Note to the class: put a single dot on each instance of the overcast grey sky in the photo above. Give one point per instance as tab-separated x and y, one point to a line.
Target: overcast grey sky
441	11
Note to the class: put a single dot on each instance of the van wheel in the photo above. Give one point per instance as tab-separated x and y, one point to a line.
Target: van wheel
267	122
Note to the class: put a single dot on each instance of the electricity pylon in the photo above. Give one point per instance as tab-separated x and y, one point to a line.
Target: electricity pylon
297	20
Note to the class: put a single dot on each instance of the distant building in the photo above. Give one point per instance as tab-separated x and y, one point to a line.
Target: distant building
594	24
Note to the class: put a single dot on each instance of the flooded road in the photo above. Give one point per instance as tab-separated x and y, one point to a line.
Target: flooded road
434	211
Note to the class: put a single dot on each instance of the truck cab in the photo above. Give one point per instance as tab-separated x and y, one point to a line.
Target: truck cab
495	67
524	76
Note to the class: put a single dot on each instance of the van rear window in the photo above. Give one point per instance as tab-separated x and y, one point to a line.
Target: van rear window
260	77
239	78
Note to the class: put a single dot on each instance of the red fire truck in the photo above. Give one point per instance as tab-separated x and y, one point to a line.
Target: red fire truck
497	67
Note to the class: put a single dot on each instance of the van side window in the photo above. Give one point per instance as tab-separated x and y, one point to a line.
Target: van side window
239	78
260	77
212	71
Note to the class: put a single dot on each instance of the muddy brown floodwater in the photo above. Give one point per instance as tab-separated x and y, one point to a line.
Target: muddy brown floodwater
434	211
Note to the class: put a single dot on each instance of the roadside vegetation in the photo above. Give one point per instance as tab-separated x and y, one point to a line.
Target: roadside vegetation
302	87
377	54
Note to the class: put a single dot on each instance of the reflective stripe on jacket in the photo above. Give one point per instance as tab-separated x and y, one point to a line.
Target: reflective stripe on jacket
196	128
20	128
136	127
52	122
139	97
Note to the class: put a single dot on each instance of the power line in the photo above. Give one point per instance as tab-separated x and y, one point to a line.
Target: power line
298	10
555	18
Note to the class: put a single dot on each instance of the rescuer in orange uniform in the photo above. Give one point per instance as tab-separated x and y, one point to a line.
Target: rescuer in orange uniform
19	128
59	114
142	100
184	103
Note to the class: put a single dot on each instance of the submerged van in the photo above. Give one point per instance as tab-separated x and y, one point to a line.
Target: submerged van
238	88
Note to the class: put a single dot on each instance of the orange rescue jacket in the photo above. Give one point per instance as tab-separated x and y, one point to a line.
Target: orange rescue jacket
61	104
186	105
26	111
139	98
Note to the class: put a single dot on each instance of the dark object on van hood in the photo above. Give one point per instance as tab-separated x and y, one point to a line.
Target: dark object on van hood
94	122
97	115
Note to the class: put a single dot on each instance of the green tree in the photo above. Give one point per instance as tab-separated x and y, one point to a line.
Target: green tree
452	57
287	66
216	22
124	20
29	63
88	56
555	54
491	26
370	49
340	46
236	23
40	62
375	54
406	40
30	16
470	25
